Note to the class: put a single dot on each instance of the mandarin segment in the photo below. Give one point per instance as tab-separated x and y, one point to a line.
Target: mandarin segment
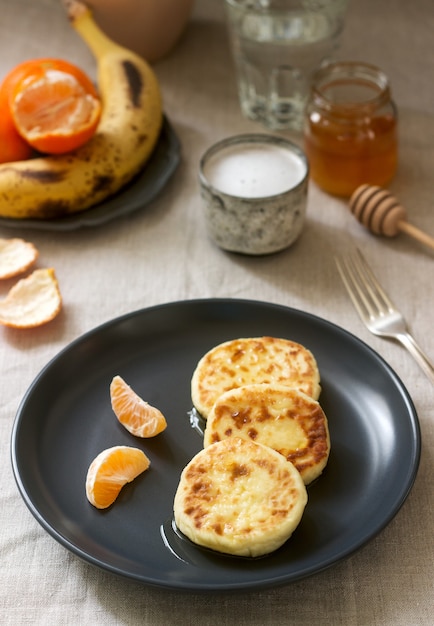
137	416
16	256
32	301
110	471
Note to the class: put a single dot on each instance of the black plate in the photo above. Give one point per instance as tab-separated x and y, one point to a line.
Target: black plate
65	420
137	194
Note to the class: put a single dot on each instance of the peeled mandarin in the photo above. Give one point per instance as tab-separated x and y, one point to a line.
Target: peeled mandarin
54	105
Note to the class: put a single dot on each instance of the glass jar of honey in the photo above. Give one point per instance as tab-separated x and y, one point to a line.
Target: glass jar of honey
350	129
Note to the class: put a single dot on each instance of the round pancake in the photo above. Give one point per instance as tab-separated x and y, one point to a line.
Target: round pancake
246	361
283	418
239	497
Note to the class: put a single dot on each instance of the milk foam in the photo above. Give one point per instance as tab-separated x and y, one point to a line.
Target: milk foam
254	170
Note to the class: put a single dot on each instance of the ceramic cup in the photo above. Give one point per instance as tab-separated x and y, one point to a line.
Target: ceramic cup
254	193
149	27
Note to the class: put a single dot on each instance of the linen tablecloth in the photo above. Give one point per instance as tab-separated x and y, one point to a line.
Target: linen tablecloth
162	254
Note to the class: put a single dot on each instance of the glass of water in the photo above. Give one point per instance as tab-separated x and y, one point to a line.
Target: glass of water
277	46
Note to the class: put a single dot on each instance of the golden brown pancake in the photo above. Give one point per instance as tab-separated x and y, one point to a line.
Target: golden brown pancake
245	361
283	418
239	497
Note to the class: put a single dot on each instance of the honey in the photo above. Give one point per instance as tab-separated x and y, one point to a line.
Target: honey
350	130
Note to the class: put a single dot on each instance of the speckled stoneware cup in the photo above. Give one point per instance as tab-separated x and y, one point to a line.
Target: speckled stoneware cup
254	192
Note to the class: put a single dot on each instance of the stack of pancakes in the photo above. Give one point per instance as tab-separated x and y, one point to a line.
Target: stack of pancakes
266	438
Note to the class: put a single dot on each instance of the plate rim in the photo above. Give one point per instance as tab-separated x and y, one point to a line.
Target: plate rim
413	421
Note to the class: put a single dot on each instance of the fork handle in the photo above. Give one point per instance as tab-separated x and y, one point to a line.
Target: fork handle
418	354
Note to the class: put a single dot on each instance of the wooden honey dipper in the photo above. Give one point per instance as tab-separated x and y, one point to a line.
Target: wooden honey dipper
382	214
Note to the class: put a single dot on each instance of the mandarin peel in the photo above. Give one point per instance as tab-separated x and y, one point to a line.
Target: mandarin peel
32	301
16	257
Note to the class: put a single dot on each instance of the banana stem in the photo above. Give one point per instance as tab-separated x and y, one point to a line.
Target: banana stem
82	20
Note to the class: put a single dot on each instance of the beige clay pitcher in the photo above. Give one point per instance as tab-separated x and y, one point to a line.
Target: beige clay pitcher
149	27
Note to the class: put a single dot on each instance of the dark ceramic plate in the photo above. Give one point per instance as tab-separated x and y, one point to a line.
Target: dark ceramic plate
65	420
136	195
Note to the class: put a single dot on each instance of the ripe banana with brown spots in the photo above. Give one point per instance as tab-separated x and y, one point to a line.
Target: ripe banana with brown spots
54	186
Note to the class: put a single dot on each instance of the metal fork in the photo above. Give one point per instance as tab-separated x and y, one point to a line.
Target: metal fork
375	308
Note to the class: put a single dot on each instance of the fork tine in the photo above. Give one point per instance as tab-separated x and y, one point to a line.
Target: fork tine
366	293
376	291
353	289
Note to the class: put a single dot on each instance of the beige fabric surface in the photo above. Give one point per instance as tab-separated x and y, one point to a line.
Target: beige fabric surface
162	254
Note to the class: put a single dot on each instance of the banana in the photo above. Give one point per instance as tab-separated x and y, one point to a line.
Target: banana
54	186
